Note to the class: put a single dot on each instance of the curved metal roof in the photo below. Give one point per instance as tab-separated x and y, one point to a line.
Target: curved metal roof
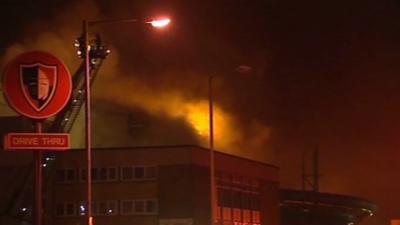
316	208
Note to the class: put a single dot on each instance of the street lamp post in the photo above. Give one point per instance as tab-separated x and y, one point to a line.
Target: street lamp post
157	23
242	69
88	122
211	147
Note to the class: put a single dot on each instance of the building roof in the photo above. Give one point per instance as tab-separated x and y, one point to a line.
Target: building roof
315	208
178	154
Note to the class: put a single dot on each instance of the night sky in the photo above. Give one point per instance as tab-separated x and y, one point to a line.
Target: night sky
321	74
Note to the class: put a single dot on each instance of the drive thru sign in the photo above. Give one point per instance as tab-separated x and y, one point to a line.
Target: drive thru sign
37	85
31	141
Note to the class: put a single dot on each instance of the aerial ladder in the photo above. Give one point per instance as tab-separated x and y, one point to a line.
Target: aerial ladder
19	209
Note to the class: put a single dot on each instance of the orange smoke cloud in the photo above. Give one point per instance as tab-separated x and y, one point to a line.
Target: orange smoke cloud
250	141
172	103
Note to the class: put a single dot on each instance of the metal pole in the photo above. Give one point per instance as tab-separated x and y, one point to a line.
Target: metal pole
303	172
88	124
316	172
211	146
38	156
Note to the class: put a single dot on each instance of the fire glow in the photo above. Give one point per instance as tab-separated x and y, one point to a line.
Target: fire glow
174	105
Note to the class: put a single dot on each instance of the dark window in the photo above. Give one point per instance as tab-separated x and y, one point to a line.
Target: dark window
83	174
127	207
70	209
236	199
127	173
255	202
70	175
226	198
95	208
111	208
139	206
65	175
112	173
60	209
151	206
95	175
102	208
103	173
139	172
60	175
245	201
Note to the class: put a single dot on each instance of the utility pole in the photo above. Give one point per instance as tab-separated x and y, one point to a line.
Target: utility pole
314	182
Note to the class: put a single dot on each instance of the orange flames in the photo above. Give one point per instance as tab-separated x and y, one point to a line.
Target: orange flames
133	93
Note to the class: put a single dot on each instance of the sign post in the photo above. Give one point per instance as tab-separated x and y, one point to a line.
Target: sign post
36	85
38	156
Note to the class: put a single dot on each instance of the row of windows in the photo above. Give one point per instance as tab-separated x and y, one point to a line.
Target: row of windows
229	179
228	215
238	199
107	174
109	208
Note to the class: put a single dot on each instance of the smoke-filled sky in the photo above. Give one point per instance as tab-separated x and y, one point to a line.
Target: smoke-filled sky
287	76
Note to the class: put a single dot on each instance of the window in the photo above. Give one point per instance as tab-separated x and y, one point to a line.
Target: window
238	200
59	209
108	208
127	173
102	174
225	198
100	208
112	173
65	209
246	216
82	208
255	202
138	173
246	200
70	175
151	206
256	217
65	175
126	207
139	207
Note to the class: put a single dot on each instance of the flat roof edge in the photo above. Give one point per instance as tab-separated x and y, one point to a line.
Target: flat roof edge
177	146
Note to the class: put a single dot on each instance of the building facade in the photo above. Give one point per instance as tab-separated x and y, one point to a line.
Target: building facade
167	185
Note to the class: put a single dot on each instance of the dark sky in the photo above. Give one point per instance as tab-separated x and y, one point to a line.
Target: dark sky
324	73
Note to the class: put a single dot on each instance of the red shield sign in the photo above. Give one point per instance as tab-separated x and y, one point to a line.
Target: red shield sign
37	84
